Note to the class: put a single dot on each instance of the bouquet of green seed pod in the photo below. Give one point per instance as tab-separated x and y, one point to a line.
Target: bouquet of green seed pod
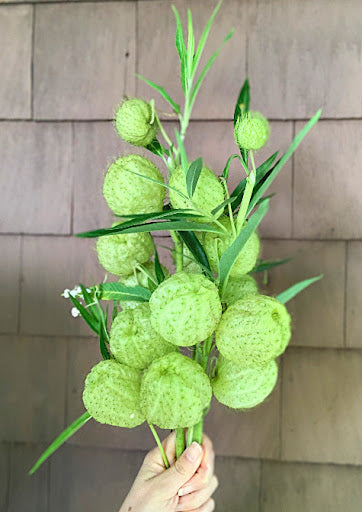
211	304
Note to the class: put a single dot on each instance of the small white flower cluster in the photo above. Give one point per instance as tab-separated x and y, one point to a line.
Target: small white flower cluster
76	292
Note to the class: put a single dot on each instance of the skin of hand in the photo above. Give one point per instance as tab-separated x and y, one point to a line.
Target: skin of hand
187	485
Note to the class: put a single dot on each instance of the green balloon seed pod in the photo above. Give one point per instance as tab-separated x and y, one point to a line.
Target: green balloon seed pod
133	340
120	254
209	192
112	394
243	388
239	288
175	390
254	330
139	278
133	122
251	130
127	193
215	245
185	309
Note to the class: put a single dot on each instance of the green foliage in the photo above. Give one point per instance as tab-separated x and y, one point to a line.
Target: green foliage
263	265
120	292
243	101
163	93
193	175
61	439
291	292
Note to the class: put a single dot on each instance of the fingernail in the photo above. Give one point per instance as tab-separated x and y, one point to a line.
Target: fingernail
185	490
193	452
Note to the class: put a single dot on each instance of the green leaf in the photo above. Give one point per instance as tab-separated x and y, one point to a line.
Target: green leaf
89	300
291	292
149	227
160	276
229	257
263	265
190	43
182	151
61	439
102	345
203	38
243	101
206	69
181	48
137	218
119	292
295	143
92	321
115	310
193	244
156	148
192	176
163	93
261	171
225	173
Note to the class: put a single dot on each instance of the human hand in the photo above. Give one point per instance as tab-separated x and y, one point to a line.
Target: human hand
186	486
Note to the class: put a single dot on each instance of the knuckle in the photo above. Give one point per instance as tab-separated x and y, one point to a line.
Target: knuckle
180	468
215	482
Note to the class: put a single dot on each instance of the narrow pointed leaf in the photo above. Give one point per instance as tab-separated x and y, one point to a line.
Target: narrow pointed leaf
120	292
160	276
229	257
61	439
115	310
225	173
102	346
295	143
137	218
192	176
243	101
93	322
208	65
163	93
261	171
179	38
175	225
193	244
263	265
291	292
156	148
190	43
203	38
89	300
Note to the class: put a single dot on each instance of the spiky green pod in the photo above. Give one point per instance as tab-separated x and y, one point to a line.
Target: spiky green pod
127	193
185	309
254	330
120	254
209	192
242	388
134	122
238	288
175	390
216	244
251	130
133	341
112	394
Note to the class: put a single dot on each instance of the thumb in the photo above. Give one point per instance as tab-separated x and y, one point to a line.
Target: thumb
183	469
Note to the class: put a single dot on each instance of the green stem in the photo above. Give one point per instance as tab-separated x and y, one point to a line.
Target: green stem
157	439
250	182
178	249
180	442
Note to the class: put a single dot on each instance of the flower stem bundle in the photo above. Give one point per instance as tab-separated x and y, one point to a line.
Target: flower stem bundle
172	340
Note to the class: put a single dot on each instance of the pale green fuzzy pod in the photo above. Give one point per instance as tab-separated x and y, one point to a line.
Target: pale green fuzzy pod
242	388
251	130
120	254
254	330
216	244
175	390
140	278
112	394
209	192
133	341
185	309
126	193
133	122
238	288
